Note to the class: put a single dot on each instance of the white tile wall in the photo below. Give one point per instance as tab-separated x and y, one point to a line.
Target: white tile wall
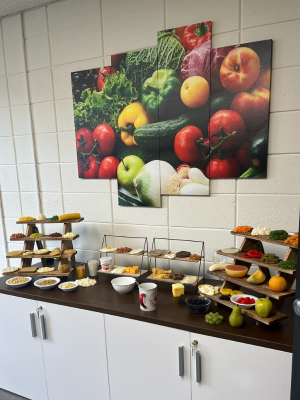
43	115
21	120
14	58
17	87
73	35
40	86
2	63
37	52
5	122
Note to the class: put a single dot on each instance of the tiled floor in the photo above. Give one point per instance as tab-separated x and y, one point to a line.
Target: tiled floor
4	395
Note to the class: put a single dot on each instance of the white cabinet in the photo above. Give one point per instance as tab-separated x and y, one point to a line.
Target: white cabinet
21	355
232	370
74	353
143	360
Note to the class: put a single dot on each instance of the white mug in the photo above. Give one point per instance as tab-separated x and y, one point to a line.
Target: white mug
148	296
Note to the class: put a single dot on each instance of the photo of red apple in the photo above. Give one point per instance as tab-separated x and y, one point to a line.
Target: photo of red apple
239	69
252	107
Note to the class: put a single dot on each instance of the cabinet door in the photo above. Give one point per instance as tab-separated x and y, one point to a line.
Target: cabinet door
74	353
232	370
21	357
143	360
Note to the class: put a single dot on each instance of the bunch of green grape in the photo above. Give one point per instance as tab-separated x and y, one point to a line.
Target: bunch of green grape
213	318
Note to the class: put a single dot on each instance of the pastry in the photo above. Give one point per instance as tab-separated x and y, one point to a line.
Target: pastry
69	235
137	251
14	253
45	269
158	273
158	253
10	269
42	251
177	289
55	253
170	255
64	268
70	252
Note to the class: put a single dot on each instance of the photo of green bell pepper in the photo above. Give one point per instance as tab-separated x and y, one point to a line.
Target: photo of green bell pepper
161	95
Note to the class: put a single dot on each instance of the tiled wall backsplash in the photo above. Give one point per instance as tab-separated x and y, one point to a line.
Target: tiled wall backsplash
38	170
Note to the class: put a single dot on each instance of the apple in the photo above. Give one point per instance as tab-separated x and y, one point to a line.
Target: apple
252	107
127	170
263	80
263	307
108	168
239	69
194	92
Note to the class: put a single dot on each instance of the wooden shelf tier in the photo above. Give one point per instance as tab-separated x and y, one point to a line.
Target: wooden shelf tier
150	277
263	239
238	256
143	271
186	259
41	256
274	317
262	288
29	239
56	273
47	221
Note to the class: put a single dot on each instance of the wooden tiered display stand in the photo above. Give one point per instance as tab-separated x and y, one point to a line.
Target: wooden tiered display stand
255	243
66	244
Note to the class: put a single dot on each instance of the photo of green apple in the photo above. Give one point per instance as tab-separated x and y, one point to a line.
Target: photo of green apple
263	307
127	170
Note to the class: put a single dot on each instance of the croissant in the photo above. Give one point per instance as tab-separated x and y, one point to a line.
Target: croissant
158	273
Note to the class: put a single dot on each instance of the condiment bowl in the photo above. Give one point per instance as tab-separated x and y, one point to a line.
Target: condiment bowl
36	283
123	284
18	285
235	297
68	289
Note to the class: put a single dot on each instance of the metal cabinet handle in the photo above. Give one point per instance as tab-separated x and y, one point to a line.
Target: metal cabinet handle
33	326
181	361
43	327
198	367
296	306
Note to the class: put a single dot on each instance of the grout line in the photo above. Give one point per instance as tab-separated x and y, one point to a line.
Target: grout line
55	114
31	118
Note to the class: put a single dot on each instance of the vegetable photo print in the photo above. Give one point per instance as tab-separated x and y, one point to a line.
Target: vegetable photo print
238	129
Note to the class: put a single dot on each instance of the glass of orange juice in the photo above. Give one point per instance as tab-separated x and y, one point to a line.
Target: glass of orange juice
80	271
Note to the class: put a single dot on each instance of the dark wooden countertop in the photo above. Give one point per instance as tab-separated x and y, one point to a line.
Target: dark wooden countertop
104	299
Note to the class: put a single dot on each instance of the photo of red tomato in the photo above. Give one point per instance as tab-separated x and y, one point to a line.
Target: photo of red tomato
108	168
106	138
185	144
102	75
84	140
91	168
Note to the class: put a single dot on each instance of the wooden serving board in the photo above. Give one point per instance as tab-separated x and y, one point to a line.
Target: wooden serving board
47	221
143	271
176	259
261	288
238	256
29	239
150	277
274	317
56	272
264	238
122	254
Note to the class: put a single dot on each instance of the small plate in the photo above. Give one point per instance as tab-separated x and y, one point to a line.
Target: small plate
18	285
49	286
68	289
235	297
107	251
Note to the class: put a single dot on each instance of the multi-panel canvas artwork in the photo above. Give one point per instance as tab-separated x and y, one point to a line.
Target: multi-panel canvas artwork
166	120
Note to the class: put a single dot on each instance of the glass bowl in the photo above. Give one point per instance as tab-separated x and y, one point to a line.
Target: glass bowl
197	304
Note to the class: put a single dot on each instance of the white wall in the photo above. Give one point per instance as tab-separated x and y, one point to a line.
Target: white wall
38	171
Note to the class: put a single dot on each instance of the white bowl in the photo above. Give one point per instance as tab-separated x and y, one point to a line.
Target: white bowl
68	289
237	296
124	284
36	283
18	285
